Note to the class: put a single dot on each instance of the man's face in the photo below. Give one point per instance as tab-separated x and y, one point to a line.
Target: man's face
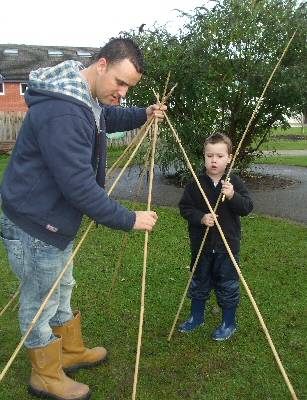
114	80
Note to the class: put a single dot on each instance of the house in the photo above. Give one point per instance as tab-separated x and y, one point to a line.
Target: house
17	60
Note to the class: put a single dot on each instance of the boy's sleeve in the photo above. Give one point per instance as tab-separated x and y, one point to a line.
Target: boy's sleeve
241	203
188	208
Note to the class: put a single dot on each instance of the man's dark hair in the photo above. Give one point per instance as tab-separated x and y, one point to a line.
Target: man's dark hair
219	138
118	49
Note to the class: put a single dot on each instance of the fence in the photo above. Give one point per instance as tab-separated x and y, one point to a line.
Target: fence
10	123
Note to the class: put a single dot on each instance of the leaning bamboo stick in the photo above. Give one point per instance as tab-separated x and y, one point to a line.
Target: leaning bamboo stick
128	148
119	261
56	283
125	238
145	264
258	105
166	85
262	323
11	301
40	310
227	178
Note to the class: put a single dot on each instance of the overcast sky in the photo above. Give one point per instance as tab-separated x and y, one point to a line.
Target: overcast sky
85	23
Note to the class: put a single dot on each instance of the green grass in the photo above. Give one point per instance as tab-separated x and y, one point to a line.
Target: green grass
4	159
285	145
190	366
299	161
291	131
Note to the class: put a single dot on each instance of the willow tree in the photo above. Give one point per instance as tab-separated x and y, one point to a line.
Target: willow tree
221	60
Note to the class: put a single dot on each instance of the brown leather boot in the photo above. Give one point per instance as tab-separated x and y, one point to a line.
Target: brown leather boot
48	379
75	355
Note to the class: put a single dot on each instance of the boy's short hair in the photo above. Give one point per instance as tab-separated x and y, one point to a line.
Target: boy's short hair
219	138
118	49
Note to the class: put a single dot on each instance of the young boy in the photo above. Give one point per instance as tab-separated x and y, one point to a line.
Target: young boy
215	269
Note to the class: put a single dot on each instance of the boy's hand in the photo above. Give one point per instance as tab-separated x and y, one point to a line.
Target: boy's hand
145	220
227	189
208	220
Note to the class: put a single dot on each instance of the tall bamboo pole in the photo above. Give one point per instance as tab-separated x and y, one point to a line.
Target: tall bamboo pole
56	283
262	323
11	301
151	174
227	178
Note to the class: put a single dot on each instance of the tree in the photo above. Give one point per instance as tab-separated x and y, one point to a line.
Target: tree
221	60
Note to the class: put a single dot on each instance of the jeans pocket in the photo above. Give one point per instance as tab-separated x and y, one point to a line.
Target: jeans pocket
15	255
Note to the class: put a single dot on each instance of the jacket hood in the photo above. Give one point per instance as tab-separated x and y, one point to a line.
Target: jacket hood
62	79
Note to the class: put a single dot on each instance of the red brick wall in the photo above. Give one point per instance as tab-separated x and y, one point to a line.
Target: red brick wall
12	100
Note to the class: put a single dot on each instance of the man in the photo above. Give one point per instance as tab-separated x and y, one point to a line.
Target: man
55	175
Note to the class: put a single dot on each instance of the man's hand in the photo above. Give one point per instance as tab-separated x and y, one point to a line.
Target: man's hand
208	220
145	220
156	111
227	189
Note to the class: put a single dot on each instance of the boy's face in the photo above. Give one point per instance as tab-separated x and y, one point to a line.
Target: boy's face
216	159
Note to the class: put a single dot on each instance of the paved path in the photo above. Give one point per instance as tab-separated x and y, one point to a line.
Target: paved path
290	202
287	153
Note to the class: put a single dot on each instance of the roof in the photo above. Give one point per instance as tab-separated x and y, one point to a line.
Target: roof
16	67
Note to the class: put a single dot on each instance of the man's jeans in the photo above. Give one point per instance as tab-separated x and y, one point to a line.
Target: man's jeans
37	265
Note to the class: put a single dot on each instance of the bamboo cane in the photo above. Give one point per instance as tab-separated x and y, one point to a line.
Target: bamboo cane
144	265
262	323
125	239
227	179
128	148
258	106
11	301
56	283
118	264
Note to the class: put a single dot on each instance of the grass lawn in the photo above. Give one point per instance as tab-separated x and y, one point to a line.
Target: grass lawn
273	262
299	161
4	159
285	145
291	131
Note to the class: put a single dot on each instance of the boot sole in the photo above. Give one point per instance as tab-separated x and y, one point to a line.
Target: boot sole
45	395
225	338
191	330
76	367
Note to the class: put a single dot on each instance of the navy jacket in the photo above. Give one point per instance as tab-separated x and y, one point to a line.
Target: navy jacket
51	180
193	207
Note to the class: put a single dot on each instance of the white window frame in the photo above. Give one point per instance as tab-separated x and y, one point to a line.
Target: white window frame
20	88
55	53
10	52
2	92
83	54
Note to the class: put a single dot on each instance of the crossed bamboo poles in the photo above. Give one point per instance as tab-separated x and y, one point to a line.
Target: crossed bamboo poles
142	136
146	128
212	211
258	105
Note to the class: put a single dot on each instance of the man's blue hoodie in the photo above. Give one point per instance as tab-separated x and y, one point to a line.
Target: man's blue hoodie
57	170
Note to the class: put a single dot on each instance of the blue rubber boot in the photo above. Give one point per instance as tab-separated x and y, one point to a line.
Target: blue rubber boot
228	325
196	318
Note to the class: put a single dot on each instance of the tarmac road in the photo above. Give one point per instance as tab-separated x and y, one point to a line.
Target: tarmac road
289	203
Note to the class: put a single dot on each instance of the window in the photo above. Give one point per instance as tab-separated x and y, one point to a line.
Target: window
1	89
10	52
82	53
23	88
55	53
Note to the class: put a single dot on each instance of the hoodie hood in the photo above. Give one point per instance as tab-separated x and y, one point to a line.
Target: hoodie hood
64	78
